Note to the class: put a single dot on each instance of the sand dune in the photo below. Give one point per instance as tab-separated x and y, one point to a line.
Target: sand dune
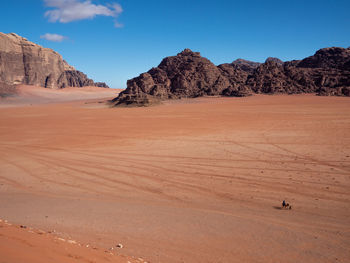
188	181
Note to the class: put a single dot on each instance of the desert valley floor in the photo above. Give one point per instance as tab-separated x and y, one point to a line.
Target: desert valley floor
197	180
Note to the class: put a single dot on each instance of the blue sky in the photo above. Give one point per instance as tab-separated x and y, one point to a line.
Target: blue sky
113	41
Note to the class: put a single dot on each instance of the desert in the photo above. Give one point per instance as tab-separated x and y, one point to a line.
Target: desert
25	244
174	131
191	180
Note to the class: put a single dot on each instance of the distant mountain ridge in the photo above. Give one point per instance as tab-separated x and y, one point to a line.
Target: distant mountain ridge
24	62
188	75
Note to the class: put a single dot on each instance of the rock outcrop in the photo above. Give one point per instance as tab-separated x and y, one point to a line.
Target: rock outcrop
277	60
101	85
23	62
189	75
327	72
185	75
246	65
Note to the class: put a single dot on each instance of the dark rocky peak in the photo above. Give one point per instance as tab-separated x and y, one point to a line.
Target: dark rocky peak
246	65
185	62
189	52
185	75
332	57
274	60
241	61
269	66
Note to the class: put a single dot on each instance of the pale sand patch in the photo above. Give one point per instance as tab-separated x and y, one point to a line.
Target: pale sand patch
32	95
185	182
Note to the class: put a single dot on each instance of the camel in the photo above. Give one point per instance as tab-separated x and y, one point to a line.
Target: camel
286	205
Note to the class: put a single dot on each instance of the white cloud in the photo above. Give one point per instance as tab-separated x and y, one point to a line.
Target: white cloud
66	11
53	37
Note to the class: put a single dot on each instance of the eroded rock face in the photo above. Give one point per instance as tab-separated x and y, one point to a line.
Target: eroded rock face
246	65
273	77
237	76
325	73
23	62
328	58
189	75
186	75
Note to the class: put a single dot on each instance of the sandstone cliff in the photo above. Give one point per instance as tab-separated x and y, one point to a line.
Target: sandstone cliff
23	62
189	75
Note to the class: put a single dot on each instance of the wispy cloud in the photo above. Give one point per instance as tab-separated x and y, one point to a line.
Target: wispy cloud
65	11
53	37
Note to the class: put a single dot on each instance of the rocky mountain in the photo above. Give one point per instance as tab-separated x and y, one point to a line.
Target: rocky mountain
277	60
246	65
327	72
189	75
185	75
23	62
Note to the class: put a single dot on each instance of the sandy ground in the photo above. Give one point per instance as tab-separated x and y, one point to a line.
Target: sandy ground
189	181
20	244
33	95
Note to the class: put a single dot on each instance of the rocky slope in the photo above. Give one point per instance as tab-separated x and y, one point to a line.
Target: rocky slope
189	75
23	62
7	90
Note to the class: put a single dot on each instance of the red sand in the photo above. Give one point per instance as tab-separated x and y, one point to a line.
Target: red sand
193	181
22	244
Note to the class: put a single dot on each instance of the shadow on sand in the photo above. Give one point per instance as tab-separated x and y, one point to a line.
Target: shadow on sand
277	207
